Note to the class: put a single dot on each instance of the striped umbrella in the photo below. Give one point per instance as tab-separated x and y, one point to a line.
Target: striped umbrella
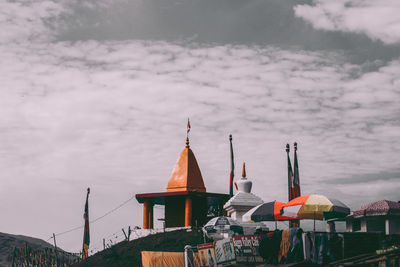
316	207
269	211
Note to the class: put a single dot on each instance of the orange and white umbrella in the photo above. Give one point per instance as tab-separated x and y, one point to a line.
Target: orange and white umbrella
316	207
269	211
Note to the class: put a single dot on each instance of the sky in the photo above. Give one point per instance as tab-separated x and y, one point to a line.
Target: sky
97	94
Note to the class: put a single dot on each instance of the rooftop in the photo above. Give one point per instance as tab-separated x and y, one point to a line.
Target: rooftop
379	208
186	175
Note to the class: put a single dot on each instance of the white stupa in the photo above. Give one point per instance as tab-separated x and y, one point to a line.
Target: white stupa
243	200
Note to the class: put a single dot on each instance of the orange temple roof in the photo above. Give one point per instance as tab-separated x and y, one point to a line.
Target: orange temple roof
186	175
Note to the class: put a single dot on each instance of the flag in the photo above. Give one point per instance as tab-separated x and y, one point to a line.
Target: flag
188	126
290	174
86	235
296	180
232	169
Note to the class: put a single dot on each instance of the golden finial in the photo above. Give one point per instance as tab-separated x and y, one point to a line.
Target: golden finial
187	142
287	148
244	170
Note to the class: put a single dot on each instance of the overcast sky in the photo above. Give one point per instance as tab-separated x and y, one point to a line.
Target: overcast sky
97	94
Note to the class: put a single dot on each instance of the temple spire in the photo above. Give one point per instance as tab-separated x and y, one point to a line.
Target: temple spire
186	175
244	170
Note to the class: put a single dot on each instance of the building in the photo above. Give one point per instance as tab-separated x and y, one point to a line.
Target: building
186	201
381	216
242	202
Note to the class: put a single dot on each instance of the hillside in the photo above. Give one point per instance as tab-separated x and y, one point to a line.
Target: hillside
9	241
128	254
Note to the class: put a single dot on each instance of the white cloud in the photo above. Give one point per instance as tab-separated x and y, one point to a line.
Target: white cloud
378	19
22	20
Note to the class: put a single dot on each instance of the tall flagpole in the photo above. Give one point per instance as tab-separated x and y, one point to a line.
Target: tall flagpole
290	173
232	175
296	181
86	233
292	223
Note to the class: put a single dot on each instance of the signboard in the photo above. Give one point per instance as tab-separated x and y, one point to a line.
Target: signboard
207	255
225	252
247	249
222	221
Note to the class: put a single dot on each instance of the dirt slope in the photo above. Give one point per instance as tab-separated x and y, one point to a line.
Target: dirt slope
127	254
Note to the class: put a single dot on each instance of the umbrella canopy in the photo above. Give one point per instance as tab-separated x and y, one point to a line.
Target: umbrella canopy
222	224
316	207
269	211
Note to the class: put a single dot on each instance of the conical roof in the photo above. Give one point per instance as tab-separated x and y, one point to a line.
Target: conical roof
186	175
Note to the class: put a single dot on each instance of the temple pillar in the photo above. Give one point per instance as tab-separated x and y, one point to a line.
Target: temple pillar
150	215
146	207
188	212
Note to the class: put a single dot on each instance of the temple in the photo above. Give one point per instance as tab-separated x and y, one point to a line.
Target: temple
186	201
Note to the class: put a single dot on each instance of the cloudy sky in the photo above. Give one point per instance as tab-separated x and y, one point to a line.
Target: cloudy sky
97	94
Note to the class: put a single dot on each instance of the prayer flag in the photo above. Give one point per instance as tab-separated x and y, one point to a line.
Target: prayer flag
188	126
232	175
296	180
86	235
290	174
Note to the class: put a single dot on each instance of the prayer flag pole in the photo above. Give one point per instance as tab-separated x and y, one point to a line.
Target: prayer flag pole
296	182
232	175
290	173
291	196
86	234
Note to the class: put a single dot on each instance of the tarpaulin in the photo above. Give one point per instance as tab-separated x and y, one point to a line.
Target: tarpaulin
167	259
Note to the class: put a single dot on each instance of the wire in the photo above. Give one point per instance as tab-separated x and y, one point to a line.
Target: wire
111	211
95	220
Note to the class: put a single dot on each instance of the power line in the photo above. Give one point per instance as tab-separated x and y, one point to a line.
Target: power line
95	220
111	211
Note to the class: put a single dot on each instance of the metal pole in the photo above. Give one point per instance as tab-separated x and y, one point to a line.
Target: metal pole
55	246
54	238
188	256
314	221
123	231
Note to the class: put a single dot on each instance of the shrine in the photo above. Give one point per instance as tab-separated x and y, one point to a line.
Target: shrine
243	200
186	201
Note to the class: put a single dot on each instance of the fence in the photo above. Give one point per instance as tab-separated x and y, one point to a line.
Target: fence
47	257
